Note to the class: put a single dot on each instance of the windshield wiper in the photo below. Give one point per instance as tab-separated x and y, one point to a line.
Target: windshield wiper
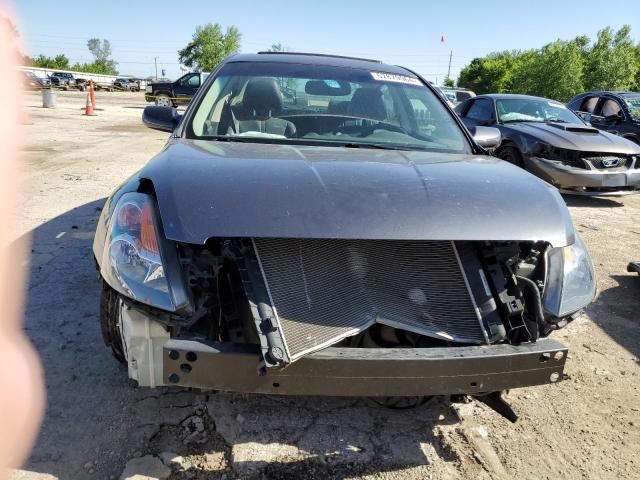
225	138
320	143
517	121
369	145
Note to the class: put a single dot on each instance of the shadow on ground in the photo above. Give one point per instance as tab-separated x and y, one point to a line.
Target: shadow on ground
617	312
97	420
591	202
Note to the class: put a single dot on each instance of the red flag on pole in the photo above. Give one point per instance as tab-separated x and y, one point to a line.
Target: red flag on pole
442	39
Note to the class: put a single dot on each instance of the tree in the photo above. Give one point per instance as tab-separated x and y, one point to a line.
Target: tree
209	46
448	82
101	52
11	27
489	74
554	71
560	69
611	63
59	62
276	47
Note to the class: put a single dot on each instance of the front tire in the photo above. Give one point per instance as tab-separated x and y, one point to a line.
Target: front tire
163	100
511	155
110	321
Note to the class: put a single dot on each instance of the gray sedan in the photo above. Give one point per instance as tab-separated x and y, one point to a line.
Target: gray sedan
547	139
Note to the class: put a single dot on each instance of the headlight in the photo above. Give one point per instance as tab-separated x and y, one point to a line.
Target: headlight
571	283
136	262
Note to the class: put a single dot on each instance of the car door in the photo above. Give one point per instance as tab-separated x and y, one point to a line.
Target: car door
587	107
187	85
609	115
480	112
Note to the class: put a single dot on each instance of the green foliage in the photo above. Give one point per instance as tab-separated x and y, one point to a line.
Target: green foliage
105	68
101	52
489	74
560	69
59	62
612	63
209	46
554	71
276	47
448	82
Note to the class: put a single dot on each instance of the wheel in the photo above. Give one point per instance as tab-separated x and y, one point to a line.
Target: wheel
163	100
81	87
511	155
110	321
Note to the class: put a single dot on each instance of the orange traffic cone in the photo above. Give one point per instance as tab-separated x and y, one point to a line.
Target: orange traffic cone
92	93
88	110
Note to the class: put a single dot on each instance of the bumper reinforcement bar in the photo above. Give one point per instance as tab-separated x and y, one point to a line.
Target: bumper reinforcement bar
365	371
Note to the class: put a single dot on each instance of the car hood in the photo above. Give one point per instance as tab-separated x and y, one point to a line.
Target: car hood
216	189
574	137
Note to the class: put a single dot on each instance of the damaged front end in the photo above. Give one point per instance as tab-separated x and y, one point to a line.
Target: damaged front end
338	317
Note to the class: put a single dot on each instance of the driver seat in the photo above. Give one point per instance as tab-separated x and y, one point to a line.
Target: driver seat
367	103
261	103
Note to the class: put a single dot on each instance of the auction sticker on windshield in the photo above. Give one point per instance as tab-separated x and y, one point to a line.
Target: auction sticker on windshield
391	77
556	104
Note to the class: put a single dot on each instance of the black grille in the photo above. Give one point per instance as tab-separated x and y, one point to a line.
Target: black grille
325	290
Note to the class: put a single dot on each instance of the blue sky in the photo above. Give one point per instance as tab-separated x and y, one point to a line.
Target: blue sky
405	32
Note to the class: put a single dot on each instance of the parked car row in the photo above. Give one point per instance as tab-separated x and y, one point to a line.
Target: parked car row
127	84
31	81
548	139
66	80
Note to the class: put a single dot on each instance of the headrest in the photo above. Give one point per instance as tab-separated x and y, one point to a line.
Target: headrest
262	98
367	102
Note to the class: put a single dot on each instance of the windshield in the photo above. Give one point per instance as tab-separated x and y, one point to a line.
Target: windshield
633	104
313	104
449	94
534	110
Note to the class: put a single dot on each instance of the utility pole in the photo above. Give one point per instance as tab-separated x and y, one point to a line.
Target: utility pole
155	61
449	71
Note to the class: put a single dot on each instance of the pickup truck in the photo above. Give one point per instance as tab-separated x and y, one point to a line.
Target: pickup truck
66	80
181	91
126	84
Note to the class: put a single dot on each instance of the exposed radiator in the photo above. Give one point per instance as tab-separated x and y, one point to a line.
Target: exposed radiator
326	290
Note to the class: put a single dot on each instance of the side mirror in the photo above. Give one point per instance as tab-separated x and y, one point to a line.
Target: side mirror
616	117
161	118
486	137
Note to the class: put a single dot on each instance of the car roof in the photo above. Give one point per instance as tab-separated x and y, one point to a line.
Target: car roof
505	96
607	92
318	59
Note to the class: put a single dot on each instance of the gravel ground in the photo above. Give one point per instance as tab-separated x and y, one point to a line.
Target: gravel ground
98	422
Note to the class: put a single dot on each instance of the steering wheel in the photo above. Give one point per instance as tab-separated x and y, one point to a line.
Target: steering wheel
384	126
366	130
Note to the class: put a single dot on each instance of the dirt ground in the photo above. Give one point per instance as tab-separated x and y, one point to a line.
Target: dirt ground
585	427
